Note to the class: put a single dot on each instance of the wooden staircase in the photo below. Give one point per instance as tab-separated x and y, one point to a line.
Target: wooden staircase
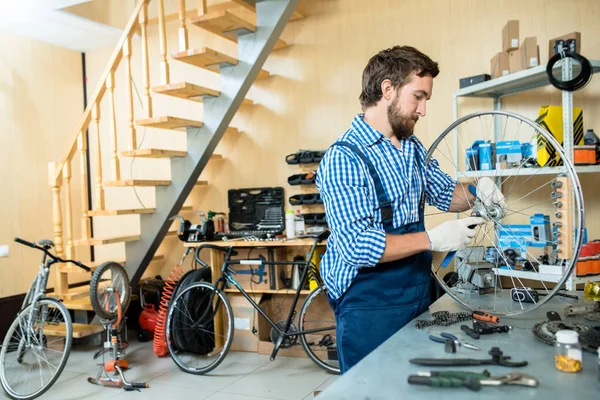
233	20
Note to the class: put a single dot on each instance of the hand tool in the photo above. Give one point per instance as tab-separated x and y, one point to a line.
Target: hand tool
446	335
451	254
450	379
484	329
495	352
485	317
449	344
469	331
512	378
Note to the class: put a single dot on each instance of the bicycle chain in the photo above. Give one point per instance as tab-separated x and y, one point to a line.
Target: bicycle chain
444	318
589	336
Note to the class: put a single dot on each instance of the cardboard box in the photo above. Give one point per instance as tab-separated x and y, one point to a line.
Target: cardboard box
530	53
252	276
514	61
510	36
245	318
500	65
571	42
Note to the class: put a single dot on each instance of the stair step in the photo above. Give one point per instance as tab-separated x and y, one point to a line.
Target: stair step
106	240
136	182
83	303
168	122
227	25
79	330
190	91
209	59
201	183
66	268
75	293
251	6
107	213
153	153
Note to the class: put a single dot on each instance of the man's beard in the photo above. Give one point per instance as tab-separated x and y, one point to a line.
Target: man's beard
402	125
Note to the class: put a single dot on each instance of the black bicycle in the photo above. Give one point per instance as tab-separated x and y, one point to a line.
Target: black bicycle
200	321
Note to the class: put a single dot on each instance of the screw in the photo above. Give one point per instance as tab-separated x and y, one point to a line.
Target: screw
558	204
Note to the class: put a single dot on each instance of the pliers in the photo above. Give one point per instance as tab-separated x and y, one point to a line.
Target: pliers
470	380
445	337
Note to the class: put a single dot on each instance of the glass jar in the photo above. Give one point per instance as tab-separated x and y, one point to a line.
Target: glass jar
568	355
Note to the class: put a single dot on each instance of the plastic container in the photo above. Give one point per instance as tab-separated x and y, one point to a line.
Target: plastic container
300	227
567	356
598	367
290	224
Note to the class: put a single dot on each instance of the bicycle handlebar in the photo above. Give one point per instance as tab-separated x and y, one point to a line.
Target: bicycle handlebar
55	258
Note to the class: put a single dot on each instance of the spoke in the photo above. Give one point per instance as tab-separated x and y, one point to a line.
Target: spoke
533	191
526	180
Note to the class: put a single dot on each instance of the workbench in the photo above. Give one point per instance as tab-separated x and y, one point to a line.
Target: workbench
383	373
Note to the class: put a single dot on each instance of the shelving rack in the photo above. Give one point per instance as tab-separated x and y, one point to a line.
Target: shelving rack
519	82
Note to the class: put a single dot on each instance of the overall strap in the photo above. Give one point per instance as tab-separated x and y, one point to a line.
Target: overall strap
387	214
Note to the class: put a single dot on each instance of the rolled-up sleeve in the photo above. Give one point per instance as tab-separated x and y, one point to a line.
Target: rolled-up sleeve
440	186
341	181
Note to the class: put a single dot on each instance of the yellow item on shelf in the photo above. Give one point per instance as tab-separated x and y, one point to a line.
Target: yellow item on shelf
550	118
316	261
566	364
592	291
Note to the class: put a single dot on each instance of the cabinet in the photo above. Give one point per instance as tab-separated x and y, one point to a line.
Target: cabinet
515	83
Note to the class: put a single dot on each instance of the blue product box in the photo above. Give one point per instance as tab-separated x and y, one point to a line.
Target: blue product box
526	151
540	230
486	156
508	151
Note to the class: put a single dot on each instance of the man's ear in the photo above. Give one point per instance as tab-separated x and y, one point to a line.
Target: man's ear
387	90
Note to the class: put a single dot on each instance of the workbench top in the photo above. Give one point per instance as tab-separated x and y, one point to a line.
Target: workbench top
383	374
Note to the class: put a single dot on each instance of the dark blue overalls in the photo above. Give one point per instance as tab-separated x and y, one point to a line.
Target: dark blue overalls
384	298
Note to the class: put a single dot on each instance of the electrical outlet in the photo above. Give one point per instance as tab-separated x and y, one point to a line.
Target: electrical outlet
4	251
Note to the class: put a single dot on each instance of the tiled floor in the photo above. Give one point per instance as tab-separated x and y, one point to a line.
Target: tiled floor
241	376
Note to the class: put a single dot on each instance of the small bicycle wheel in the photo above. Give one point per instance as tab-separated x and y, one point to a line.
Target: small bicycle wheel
316	313
108	287
35	349
533	239
199	328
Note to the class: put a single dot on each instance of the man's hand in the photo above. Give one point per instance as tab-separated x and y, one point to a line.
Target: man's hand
489	193
453	235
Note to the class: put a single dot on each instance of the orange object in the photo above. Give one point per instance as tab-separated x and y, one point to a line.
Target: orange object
109	366
485	317
160	341
584	154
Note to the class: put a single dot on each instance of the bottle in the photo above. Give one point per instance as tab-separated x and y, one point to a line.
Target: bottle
567	351
290	224
598	366
300	229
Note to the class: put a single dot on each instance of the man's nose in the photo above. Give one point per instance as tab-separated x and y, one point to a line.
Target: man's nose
422	109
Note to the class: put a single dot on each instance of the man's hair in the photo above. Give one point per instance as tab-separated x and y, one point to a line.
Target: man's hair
395	64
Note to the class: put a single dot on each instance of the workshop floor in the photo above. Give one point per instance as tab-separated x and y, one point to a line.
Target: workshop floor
241	376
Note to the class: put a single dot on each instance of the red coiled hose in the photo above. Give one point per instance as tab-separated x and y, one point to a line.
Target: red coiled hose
160	341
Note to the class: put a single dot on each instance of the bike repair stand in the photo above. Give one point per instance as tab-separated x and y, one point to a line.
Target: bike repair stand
114	345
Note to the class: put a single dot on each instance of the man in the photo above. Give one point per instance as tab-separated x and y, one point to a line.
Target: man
374	182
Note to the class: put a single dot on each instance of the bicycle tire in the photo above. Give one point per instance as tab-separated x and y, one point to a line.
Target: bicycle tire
97	294
314	299
177	305
5	354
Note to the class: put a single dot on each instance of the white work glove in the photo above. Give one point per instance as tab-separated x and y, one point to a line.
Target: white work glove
453	235
489	193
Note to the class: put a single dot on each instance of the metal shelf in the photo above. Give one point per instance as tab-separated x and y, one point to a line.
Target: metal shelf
544	277
582	169
517	82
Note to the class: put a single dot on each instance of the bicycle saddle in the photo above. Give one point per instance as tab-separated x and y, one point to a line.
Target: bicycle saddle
46	244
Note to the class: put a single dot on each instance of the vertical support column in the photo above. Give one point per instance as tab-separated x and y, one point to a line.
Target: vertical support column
216	260
202	7
127	56
143	19
82	146
183	35
61	284
99	188
69	249
164	64
110	86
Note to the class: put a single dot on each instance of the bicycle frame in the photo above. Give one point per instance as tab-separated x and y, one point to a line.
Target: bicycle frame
226	276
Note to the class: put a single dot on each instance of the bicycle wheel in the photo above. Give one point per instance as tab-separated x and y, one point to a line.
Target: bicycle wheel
316	313
109	279
35	349
199	328
531	242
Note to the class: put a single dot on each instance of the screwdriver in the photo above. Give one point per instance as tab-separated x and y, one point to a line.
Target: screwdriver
485	317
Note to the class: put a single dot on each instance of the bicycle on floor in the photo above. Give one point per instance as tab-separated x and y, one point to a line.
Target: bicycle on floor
110	295
200	320
38	342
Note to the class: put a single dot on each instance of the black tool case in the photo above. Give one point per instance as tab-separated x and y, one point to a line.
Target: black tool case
256	210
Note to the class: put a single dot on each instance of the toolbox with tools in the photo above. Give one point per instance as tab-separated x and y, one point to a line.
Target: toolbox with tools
256	212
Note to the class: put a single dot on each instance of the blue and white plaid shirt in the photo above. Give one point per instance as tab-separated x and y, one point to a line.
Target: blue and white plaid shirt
357	237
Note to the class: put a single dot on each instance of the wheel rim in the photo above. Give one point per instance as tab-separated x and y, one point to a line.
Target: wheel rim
484	284
320	346
112	287
32	361
188	318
